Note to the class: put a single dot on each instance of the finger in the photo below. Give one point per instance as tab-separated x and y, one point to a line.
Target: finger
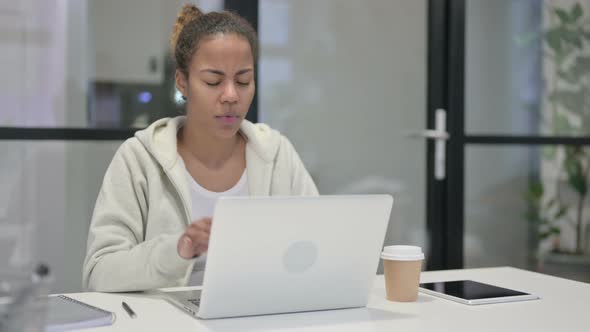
198	237
185	247
202	248
201	224
206	227
195	233
202	220
207	224
202	239
201	227
205	221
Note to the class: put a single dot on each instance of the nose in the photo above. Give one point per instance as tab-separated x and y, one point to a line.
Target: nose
230	94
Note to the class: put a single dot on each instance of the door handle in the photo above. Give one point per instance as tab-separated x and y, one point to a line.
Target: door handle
440	135
432	134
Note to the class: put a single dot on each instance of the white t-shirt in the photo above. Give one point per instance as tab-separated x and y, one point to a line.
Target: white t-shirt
203	203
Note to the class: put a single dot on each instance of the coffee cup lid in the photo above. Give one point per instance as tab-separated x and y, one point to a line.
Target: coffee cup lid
402	253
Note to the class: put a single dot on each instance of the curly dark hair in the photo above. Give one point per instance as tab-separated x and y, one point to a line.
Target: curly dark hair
192	26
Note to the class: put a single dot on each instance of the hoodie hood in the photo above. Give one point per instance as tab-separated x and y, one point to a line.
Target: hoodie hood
160	141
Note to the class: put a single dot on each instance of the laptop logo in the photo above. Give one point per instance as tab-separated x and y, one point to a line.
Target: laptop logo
300	256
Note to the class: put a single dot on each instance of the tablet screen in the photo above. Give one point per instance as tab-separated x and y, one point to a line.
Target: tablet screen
470	290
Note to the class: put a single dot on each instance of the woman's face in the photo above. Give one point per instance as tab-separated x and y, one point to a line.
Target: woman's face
220	84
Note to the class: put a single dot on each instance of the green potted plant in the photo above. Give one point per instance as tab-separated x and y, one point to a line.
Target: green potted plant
557	201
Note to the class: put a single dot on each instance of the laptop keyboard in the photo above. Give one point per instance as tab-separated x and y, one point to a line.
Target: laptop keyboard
196	302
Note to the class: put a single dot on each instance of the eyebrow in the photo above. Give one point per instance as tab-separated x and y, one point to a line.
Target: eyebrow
219	72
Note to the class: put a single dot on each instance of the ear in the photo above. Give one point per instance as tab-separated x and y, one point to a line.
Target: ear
181	82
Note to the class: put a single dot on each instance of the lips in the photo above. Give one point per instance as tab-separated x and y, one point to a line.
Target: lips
227	119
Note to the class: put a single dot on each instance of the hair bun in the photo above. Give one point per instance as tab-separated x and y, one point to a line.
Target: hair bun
188	13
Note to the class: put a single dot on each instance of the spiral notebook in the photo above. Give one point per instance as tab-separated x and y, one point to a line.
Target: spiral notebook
65	313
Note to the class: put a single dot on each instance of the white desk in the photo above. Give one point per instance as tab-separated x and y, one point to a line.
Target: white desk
564	306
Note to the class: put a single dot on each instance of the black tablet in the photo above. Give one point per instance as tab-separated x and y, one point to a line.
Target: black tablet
473	292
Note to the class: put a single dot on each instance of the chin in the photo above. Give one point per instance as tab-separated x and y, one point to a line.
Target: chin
227	132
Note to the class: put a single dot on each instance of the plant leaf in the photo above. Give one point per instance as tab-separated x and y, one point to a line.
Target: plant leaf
544	235
575	176
561	212
572	100
570	151
550	203
535	190
569	76
579	184
571	36
553	38
576	12
563	15
561	124
560	58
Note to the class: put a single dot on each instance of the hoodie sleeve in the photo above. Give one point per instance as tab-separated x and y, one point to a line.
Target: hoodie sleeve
301	182
117	257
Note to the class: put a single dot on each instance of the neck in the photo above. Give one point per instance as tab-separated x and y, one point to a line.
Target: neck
212	151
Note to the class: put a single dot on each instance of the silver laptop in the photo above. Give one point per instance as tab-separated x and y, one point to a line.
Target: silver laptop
271	255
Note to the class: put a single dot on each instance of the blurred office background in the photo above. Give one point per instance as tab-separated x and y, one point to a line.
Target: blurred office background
347	81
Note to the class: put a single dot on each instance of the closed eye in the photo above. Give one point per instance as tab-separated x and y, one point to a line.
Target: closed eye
213	84
243	83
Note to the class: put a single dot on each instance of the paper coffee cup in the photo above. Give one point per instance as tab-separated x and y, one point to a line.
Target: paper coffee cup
402	266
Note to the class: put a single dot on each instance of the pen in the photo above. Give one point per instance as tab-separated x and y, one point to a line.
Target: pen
129	310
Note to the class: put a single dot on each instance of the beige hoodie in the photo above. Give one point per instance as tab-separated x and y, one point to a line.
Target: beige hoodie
144	205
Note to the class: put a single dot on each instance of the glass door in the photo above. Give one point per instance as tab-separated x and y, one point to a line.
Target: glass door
346	82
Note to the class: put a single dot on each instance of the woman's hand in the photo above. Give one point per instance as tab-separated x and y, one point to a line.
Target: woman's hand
195	239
